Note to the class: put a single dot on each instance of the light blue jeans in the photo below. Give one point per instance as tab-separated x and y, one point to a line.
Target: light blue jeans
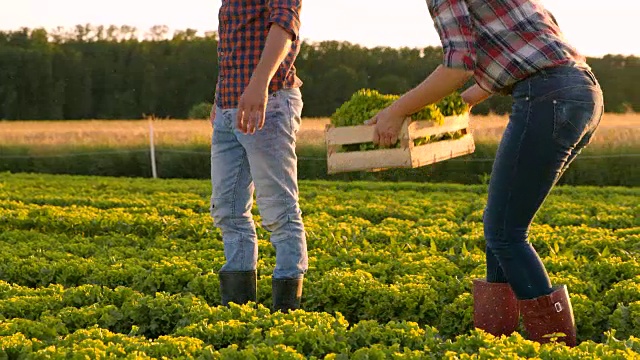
265	162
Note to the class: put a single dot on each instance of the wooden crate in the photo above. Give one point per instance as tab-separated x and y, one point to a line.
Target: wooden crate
406	156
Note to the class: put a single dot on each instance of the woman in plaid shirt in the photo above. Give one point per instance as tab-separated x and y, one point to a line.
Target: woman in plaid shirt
513	47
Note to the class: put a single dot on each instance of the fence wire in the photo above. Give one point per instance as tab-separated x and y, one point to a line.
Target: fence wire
304	158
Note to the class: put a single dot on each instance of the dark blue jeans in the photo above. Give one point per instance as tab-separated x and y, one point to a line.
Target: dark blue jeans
555	113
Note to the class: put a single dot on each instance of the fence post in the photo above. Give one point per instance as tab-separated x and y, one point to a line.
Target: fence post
152	149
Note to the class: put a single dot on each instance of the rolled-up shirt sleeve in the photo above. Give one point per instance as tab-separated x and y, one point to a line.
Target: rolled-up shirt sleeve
286	13
453	22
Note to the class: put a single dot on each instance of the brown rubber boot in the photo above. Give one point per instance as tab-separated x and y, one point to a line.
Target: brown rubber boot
495	307
549	314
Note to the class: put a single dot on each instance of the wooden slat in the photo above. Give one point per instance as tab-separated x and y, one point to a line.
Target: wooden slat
358	134
442	150
406	157
418	129
344	135
371	160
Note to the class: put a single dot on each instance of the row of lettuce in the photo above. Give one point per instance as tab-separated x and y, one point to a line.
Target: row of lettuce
249	332
121	266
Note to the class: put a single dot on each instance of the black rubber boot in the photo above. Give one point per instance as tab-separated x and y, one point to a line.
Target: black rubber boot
237	286
286	294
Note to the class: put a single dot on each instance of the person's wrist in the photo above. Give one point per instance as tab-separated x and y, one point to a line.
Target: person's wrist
469	104
466	98
261	82
395	111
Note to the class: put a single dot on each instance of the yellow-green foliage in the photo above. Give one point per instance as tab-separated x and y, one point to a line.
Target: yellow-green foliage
126	268
362	106
366	103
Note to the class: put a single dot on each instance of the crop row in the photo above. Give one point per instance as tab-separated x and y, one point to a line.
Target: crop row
136	261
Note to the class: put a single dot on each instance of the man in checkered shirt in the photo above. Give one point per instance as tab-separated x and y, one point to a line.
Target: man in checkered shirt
516	48
256	116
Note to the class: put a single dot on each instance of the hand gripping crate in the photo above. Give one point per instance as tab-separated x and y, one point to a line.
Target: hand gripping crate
408	155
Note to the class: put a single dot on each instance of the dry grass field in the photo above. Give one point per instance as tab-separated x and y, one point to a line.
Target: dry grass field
615	130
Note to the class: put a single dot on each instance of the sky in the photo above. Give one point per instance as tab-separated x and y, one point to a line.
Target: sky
596	28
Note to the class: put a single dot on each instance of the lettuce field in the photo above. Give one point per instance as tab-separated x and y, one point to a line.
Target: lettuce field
96	267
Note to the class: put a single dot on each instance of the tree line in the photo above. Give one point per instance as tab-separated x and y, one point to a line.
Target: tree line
96	72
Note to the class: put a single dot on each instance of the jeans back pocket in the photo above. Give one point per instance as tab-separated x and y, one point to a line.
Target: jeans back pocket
572	120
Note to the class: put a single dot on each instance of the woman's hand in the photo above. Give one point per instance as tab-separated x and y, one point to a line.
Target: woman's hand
387	127
441	82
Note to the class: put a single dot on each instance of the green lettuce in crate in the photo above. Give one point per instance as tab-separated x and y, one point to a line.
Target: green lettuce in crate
452	105
362	106
366	103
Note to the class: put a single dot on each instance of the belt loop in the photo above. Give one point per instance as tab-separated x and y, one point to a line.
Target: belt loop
592	76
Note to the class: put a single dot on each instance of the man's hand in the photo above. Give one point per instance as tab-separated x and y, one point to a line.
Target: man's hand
253	102
387	127
252	108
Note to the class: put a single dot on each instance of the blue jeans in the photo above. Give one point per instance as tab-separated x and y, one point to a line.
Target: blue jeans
554	116
265	162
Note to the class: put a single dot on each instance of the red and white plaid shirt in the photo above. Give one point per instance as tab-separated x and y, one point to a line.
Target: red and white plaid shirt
502	41
243	29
